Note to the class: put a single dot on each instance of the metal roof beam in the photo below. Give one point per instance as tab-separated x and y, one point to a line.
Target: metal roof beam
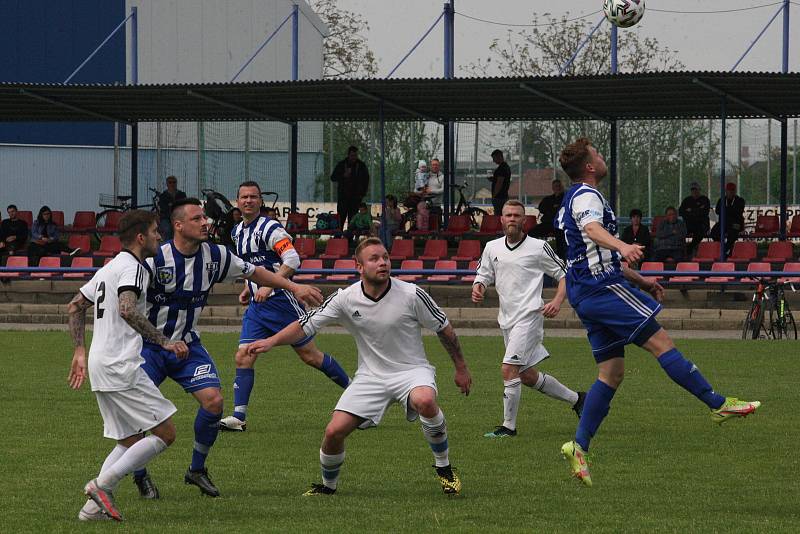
70	107
236	107
404	109
562	103
720	92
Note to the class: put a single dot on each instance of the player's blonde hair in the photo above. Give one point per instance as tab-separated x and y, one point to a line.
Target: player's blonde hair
513	202
364	244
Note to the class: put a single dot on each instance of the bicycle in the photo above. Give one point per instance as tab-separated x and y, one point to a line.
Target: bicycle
115	207
464	207
769	299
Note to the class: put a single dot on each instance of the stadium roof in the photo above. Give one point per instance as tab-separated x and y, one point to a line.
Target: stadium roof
667	95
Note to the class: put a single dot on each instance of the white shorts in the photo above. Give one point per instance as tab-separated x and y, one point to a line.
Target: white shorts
133	411
524	343
369	396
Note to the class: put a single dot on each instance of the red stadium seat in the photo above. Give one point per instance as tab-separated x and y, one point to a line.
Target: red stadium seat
435	249
48	261
81	241
297	223
652	266
15	261
743	252
707	252
473	266
443	265
754	267
58	219
82	263
306	247
779	251
721	266
468	250
490	226
110	222
109	246
794	227
409	265
26	216
791	267
402	249
309	264
458	226
342	264
335	248
766	226
529	224
84	221
685	266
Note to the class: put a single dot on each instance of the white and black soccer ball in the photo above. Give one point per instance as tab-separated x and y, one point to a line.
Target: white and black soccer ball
623	13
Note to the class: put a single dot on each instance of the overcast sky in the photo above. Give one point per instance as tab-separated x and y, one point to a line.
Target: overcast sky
703	41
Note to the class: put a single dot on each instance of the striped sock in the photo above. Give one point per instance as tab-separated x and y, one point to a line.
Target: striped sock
435	431
206	428
242	387
331	464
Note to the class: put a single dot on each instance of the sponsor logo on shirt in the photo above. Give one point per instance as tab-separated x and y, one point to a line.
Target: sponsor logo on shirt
165	275
203	372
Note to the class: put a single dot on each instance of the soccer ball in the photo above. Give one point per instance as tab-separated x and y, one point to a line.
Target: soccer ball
623	13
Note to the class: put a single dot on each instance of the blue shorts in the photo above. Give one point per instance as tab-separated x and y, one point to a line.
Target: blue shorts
615	316
197	371
264	319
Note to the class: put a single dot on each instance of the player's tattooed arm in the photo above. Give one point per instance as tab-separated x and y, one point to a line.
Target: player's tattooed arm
77	318
449	340
130	313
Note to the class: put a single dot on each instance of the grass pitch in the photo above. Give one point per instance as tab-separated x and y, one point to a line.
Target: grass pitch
660	464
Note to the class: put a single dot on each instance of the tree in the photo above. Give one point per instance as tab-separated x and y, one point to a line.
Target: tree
646	148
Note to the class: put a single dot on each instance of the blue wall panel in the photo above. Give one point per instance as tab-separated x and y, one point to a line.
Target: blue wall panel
44	41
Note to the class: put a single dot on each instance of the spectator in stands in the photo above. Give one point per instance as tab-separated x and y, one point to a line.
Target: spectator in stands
548	210
394	219
236	215
670	237
421	177
501	181
270	212
229	222
45	239
352	179
694	211
734	217
362	222
165	201
13	232
436	183
637	233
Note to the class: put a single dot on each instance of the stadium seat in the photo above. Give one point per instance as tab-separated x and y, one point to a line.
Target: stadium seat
655	222
342	264
754	267
457	226
335	248
685	266
721	266
473	266
402	249
434	222
443	265
309	264
707	252
110	223
652	266
26	216
490	226
468	250
81	241
743	252
15	261
779	251
58	219
306	247
791	267
435	249
297	223
80	263
109	246
331	231
766	226
84	221
409	265
48	261
529	224
794	227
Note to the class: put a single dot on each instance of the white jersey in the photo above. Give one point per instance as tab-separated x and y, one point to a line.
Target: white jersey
115	353
386	329
518	273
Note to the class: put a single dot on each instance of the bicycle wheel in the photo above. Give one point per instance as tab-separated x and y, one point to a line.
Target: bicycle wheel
786	327
753	322
474	215
107	222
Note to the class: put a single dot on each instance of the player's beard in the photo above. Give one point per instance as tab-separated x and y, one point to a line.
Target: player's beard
514	235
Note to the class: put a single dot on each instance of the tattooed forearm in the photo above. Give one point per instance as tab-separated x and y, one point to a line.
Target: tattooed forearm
77	318
137	321
449	340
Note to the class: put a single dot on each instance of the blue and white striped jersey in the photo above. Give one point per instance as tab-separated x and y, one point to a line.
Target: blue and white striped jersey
179	286
590	267
266	243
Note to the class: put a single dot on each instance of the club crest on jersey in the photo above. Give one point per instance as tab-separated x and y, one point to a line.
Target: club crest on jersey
165	275
212	267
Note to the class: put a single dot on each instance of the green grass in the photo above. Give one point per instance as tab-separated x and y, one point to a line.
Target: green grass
660	464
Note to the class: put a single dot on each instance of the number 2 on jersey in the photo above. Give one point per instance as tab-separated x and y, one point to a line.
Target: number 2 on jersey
101	296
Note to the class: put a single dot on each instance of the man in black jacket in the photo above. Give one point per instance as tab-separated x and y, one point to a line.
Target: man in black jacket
694	211
734	217
13	232
352	178
548	209
501	181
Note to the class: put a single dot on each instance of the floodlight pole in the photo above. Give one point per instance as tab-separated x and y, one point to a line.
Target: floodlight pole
784	127
293	126
134	125
614	137
722	200
449	132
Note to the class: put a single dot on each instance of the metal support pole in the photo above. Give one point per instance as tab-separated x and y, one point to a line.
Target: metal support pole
293	127
200	162
159	156
649	169
247	150
614	137
784	175
134	126
449	134
475	154
794	170
116	156
614	44
680	163
769	160
330	163
385	237
723	200
739	157
521	182
586	39
785	55
101	45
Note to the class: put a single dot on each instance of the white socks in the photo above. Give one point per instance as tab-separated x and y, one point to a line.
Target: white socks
331	465
551	387
512	392
136	456
435	431
116	453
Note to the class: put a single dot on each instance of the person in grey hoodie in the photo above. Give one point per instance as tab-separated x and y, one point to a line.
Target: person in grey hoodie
670	237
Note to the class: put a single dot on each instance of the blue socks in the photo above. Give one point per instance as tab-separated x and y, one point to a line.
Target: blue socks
334	371
242	387
140	473
687	375
595	409
206	428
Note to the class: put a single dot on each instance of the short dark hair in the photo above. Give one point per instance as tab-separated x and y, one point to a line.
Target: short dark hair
672	208
11	206
352	148
368	242
177	207
574	158
248	183
133	223
497	152
435	159
636	212
171	177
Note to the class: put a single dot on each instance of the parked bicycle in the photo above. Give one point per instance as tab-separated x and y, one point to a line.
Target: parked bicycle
115	206
769	316
464	207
